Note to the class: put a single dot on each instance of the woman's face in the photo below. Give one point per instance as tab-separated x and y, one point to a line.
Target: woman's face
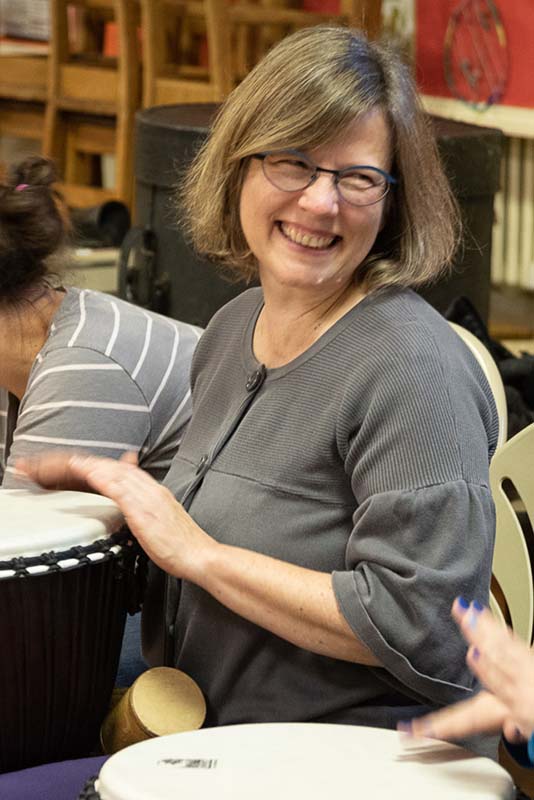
312	239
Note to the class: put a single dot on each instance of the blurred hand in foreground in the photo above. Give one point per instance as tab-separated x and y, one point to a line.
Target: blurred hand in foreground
504	664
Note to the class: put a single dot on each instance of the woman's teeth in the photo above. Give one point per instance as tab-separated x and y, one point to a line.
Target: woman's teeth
307	239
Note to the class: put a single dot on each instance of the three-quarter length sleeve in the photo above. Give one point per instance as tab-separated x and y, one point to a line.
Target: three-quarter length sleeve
416	445
410	554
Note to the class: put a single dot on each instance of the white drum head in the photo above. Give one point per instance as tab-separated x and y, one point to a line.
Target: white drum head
288	761
35	522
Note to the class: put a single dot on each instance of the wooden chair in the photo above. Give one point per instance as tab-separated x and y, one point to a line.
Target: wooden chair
92	99
23	89
493	376
171	73
237	35
499	601
511	472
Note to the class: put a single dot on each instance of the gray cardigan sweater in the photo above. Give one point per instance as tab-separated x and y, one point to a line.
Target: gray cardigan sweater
366	457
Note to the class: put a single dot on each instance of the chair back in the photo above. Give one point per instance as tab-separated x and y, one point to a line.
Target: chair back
92	97
23	86
512	600
196	51
512	487
493	376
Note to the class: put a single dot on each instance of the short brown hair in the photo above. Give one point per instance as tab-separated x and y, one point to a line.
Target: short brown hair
306	90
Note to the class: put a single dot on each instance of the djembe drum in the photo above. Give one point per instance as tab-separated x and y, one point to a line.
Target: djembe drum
65	572
289	761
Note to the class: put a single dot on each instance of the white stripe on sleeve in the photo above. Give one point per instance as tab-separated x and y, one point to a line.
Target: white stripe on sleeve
145	346
75	368
116	326
85	404
81	323
196	331
173	418
27	437
169	369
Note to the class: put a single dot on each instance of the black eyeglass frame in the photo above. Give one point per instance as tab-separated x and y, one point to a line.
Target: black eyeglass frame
337	173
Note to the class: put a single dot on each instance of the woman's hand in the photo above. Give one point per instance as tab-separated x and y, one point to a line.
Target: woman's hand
166	532
505	666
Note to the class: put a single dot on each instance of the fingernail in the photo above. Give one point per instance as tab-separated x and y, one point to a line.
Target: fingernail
462	602
477	606
472	618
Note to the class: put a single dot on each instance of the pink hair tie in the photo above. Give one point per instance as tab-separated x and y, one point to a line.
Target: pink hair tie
21	186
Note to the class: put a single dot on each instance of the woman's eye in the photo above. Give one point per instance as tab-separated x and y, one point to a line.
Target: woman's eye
293	163
359	180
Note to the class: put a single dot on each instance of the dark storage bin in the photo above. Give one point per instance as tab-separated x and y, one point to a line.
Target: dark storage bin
159	269
471	156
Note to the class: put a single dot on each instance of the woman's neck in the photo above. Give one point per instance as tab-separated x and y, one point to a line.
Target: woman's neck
291	321
24	329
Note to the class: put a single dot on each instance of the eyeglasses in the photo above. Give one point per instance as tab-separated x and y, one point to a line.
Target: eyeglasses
291	171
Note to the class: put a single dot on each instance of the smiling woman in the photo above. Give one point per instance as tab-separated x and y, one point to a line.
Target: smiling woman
314	236
330	496
312	100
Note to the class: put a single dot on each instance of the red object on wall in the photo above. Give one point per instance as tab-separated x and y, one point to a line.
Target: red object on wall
517	17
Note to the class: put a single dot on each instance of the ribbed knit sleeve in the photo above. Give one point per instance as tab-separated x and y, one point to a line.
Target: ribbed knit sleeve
415	448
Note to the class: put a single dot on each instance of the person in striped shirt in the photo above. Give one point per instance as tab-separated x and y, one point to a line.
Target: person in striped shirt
78	368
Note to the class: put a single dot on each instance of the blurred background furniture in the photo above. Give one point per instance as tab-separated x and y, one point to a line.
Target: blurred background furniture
23	89
92	98
198	50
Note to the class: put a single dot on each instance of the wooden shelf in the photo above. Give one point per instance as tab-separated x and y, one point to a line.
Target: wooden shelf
512	120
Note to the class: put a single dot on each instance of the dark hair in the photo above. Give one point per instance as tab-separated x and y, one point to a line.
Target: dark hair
33	226
303	93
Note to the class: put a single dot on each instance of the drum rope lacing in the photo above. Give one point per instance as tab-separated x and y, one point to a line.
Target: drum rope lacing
52	561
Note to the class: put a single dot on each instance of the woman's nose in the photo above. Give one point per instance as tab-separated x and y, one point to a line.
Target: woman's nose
321	196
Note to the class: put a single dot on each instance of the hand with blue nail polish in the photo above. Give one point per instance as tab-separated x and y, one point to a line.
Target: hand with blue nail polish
505	666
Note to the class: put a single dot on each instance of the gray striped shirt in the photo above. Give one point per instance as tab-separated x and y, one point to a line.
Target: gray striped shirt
110	378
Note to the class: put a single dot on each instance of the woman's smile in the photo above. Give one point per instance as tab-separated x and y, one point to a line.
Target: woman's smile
306	238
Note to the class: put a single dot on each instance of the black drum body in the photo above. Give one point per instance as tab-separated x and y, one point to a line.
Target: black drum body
61	640
61	633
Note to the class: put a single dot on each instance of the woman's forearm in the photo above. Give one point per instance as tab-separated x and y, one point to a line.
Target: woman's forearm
292	602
